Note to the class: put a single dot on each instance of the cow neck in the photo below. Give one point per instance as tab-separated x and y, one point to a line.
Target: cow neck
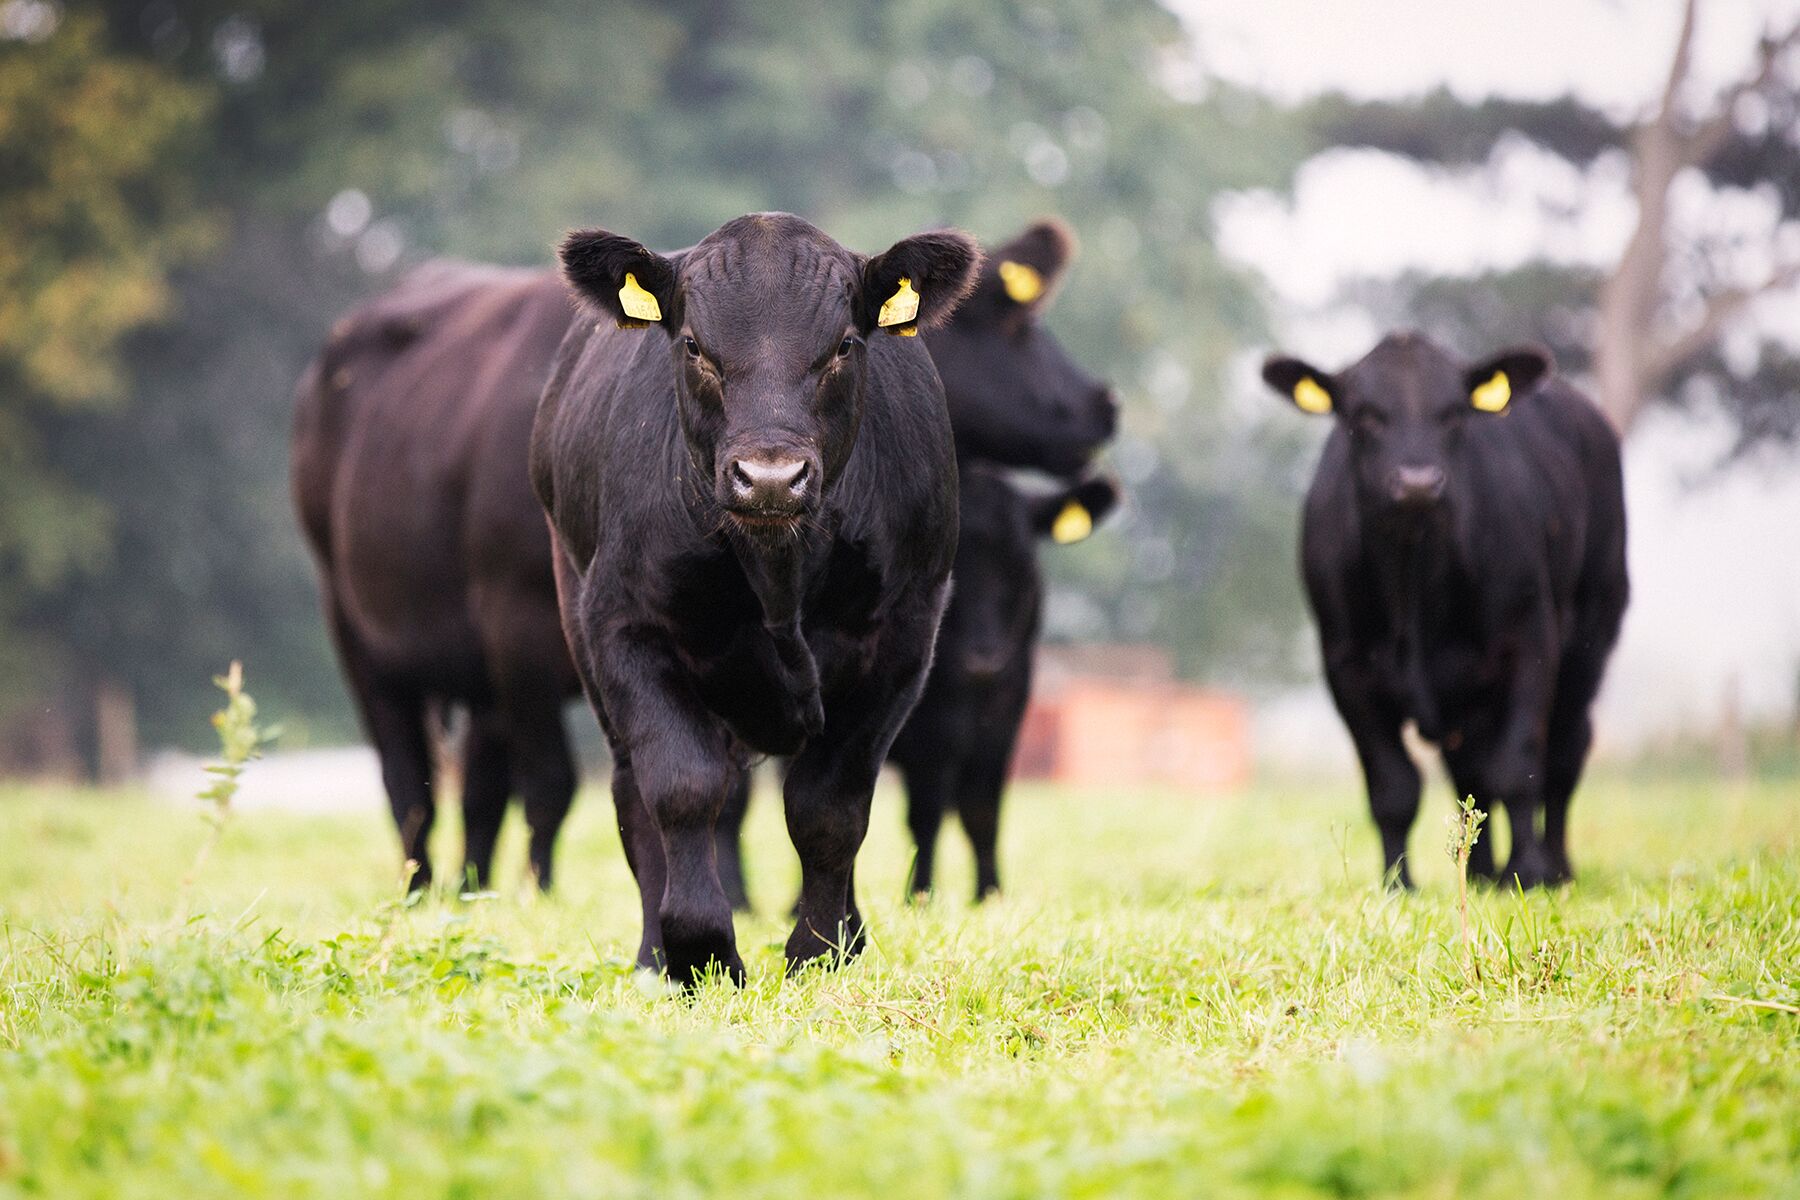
1409	552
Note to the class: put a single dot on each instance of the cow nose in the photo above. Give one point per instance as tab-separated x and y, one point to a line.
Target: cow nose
770	485
1416	485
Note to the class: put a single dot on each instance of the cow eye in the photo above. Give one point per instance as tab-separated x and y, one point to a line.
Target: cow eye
846	346
691	346
1371	420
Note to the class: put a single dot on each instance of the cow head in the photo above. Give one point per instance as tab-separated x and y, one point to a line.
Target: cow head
1015	395
766	322
997	579
1407	407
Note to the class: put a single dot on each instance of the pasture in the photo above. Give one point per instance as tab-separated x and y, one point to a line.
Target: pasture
1176	996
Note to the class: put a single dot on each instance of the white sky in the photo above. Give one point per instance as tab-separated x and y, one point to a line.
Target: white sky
1716	572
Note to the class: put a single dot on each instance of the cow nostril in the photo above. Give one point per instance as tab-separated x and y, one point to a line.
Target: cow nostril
801	471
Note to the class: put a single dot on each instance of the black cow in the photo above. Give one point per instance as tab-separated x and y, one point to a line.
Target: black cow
754	502
409	447
1463	549
956	748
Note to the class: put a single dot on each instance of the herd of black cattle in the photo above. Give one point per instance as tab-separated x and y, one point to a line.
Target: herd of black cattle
755	476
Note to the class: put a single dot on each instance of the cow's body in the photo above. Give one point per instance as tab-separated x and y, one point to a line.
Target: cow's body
1467	572
409	474
753	554
955	750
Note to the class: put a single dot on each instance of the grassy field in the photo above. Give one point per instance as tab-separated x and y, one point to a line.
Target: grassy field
1177	997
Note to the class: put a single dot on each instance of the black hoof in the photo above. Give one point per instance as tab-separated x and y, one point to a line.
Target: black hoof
690	955
807	946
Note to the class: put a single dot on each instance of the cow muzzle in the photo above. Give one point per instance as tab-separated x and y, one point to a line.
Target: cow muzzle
1416	486
769	486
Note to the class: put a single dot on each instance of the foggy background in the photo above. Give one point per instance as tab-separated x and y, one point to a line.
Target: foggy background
193	191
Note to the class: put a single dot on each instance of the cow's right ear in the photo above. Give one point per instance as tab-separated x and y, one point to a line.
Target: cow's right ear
620	278
1305	386
917	283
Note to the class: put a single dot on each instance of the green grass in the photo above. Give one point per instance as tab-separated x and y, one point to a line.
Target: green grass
1177	997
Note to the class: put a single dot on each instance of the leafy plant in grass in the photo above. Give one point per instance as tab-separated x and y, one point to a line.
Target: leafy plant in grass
241	741
1465	831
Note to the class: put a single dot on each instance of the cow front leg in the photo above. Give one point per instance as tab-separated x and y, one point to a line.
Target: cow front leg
832	781
1515	770
1388	770
683	767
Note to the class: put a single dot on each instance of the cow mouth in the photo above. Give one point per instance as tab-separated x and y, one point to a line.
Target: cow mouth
753	519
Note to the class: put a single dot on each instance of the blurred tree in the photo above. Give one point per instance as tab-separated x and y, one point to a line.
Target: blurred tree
1649	327
99	210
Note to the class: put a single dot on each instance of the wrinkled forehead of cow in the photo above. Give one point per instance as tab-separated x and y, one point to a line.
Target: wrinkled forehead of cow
768	267
1406	373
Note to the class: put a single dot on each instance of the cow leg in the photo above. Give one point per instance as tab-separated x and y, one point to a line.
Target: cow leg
728	843
544	768
684	766
1388	770
978	806
832	782
1515	770
644	855
393	717
487	780
1564	758
1466	781
930	788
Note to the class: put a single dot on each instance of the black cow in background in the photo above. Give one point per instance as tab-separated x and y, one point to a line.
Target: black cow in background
411	435
1463	548
956	749
754	503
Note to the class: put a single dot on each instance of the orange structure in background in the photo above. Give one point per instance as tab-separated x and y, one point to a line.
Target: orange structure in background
1112	716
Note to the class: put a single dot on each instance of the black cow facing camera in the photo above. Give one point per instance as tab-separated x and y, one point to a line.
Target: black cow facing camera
957	746
1463	548
753	491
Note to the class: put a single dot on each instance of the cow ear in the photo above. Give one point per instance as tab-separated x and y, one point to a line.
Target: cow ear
917	283
1030	266
1069	515
1492	384
1304	385
620	278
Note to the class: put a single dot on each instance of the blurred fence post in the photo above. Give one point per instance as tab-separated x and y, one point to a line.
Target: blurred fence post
115	733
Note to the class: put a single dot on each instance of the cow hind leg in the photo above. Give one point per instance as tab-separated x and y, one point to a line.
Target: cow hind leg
544	769
929	790
393	717
486	783
728	843
1465	782
978	807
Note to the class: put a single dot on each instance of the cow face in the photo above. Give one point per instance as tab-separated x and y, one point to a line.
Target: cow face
1015	396
1407	407
997	580
767	322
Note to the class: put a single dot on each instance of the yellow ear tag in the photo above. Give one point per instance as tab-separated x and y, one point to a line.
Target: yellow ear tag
638	304
1493	395
1072	524
1311	397
1023	284
899	308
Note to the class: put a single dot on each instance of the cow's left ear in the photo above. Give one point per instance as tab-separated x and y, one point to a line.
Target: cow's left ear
1030	266
617	276
917	283
1069	515
1493	383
